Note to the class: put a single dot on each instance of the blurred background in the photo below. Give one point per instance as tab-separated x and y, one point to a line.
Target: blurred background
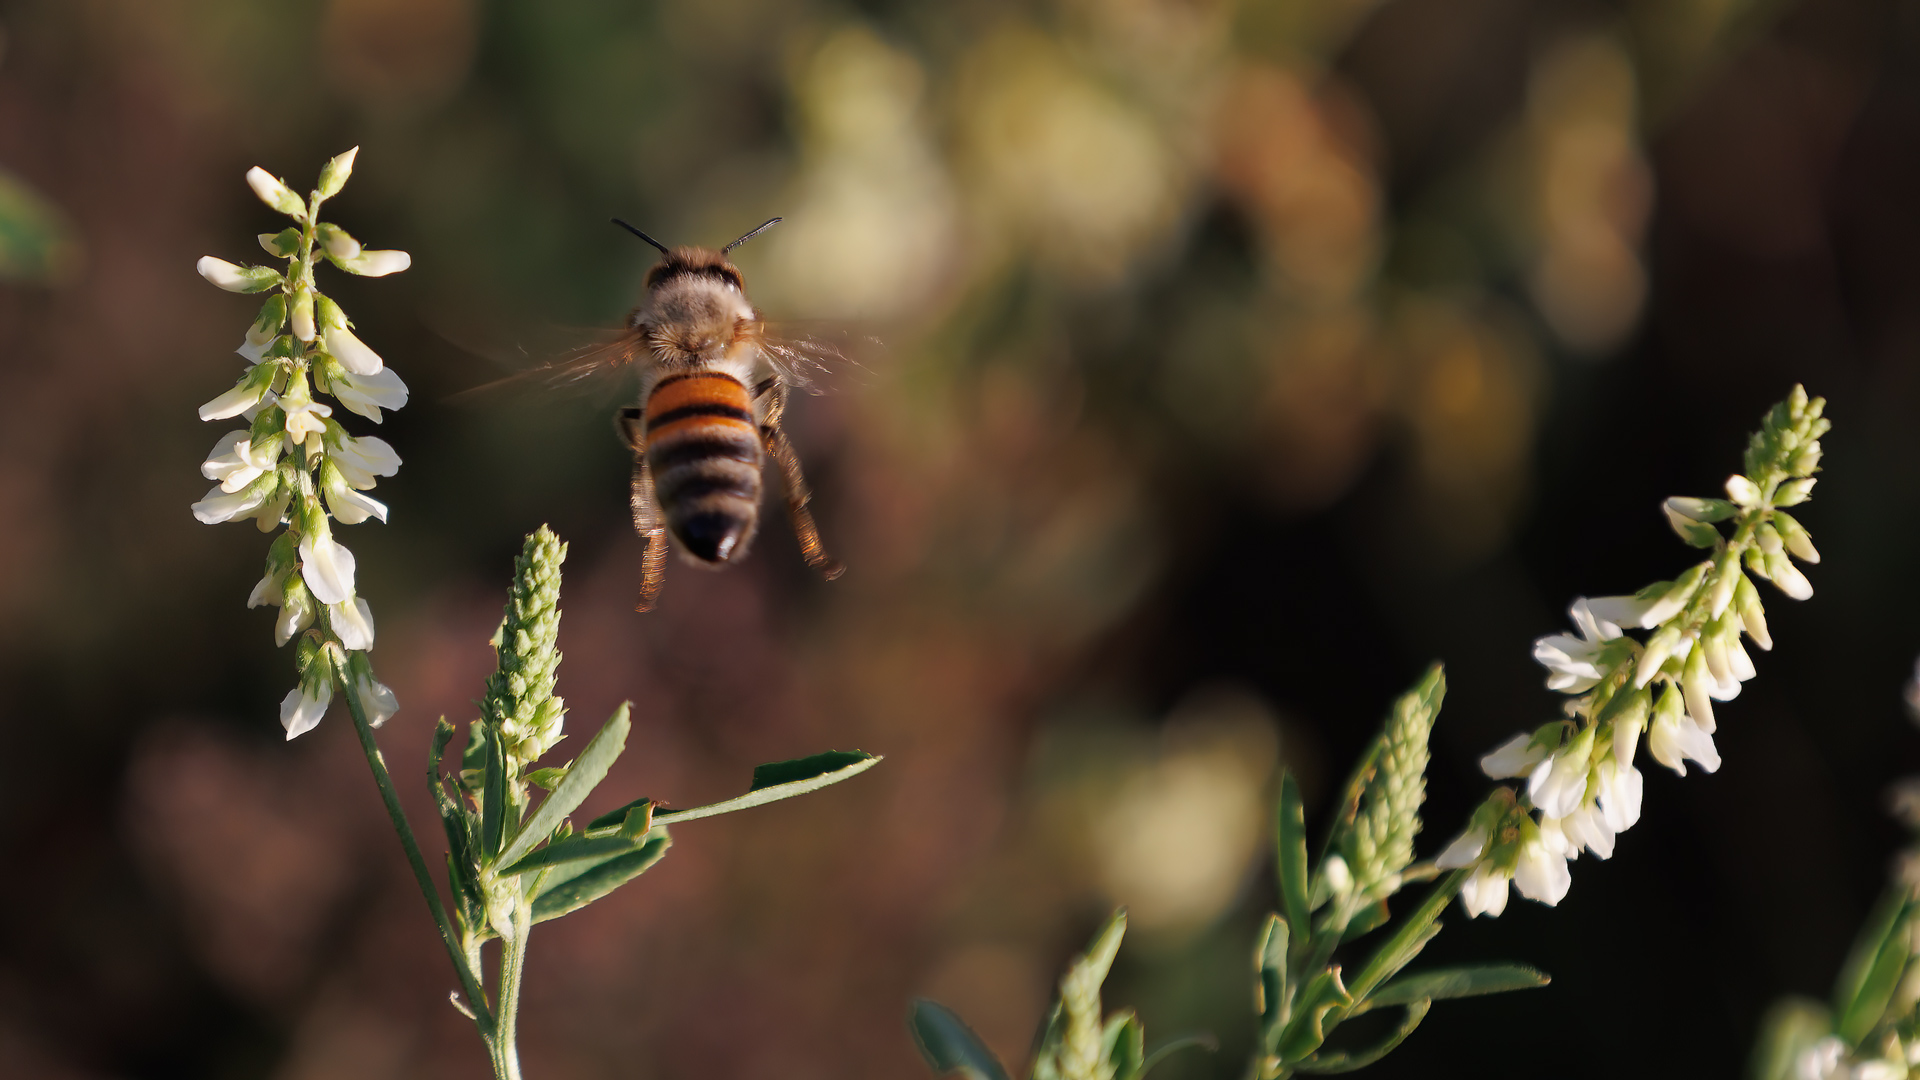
1235	360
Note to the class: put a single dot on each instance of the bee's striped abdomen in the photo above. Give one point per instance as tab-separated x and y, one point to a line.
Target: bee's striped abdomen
704	450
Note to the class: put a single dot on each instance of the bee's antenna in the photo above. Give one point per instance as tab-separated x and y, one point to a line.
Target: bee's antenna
663	247
764	226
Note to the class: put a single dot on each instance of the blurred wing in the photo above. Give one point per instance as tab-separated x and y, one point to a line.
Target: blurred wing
817	359
582	368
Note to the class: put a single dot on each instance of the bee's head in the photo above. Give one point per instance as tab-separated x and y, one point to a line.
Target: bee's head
696	261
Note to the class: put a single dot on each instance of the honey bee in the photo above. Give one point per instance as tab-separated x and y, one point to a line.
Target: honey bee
713	390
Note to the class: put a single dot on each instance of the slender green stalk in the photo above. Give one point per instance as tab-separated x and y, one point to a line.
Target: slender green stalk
1393	955
469	985
501	1045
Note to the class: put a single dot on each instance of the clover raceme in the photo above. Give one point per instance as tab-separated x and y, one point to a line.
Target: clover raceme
294	464
1579	772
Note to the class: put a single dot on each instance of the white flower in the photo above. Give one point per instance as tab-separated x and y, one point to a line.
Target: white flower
352	623
368	394
305	418
1637	612
1787	577
378	263
303	707
1676	738
327	567
1465	850
231	463
1587	828
222	505
351	352
376	700
360	460
1516	757
1485	891
351	508
1620	791
296	613
270	589
1571	660
235	278
1743	491
1542	874
1559	785
275	194
256	384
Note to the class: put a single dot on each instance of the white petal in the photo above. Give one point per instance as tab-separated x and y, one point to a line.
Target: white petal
351	508
368	394
1620	794
1620	610
352	623
1464	850
376	700
1484	892
1515	757
271	589
234	402
222	505
1743	491
380	263
352	354
327	568
1542	873
299	713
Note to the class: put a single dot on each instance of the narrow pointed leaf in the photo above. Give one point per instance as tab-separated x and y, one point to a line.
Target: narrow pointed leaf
1459	982
585	775
1174	1045
781	780
568	894
1876	990
1349	1062
493	804
617	817
1123	1047
1270	982
1306	1031
1291	838
1865	954
573	850
949	1045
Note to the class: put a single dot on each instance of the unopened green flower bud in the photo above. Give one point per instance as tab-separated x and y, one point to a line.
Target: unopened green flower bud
1695	532
336	243
1767	539
1720	593
1794	492
334	174
1795	536
275	193
1746	601
266	326
1701	509
1743	491
302	315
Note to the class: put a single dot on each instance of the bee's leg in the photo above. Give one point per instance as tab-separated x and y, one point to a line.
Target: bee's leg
646	515
798	494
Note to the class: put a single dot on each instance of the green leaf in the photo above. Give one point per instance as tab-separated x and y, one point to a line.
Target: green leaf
1443	983
1876	991
1367	920
572	850
1123	1046
781	780
585	774
562	893
1306	1031
613	818
1176	1044
493	802
1291	840
1270	980
949	1045
1348	1062
1853	991
547	779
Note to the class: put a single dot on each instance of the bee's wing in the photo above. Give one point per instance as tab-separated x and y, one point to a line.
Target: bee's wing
584	367
820	359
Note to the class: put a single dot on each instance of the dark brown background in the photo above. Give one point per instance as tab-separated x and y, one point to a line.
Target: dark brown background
1237	361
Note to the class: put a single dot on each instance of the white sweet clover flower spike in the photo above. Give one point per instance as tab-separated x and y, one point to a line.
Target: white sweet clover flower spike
1579	774
295	464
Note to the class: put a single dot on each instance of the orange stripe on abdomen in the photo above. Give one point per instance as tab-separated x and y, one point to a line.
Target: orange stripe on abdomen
700	403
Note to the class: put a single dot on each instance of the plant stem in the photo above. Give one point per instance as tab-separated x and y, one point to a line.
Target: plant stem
476	997
513	960
1392	956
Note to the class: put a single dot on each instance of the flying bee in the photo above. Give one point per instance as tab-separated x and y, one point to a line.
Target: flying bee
713	389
